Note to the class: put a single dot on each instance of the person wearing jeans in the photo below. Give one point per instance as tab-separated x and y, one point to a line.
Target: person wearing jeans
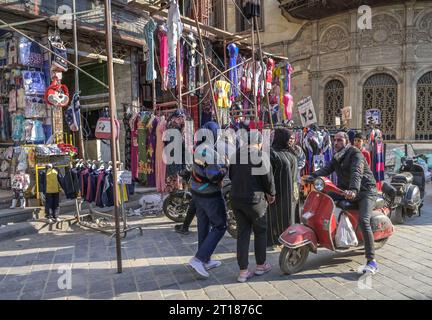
250	192
208	172
356	178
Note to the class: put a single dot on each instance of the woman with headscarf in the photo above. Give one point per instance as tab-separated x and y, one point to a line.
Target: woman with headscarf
281	214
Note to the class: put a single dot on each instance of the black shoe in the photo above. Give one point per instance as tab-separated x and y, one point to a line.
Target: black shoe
179	229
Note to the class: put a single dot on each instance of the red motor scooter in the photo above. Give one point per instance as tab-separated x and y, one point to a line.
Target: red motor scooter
319	225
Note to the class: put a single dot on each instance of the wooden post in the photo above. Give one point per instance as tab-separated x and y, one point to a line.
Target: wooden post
113	112
262	61
75	40
205	60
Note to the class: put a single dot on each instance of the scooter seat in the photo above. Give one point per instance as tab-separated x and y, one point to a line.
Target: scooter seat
348	205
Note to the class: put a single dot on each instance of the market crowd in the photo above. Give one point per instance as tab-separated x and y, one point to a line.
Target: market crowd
265	202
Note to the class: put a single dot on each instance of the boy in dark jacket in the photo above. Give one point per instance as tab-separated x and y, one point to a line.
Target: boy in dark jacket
208	171
249	196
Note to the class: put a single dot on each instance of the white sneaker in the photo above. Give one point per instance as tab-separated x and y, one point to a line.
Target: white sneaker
212	264
198	267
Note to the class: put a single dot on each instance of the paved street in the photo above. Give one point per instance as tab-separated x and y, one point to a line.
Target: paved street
154	267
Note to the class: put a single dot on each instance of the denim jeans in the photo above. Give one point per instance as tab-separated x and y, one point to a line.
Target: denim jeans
212	224
366	204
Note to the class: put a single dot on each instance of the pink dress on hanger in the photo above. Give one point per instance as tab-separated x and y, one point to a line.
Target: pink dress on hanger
160	165
163	44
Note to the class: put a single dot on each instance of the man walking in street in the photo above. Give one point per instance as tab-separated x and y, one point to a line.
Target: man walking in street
208	171
356	178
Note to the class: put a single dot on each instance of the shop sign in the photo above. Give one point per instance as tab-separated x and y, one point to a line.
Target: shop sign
307	112
373	116
124	177
346	114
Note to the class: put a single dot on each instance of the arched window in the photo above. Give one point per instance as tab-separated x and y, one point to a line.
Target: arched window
333	102
424	108
380	92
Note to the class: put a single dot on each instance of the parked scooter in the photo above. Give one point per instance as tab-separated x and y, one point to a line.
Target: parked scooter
176	205
319	225
408	190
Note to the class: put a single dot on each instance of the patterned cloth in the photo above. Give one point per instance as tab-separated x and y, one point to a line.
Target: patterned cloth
149	30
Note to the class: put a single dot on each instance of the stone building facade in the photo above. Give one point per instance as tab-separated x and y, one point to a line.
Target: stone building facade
388	67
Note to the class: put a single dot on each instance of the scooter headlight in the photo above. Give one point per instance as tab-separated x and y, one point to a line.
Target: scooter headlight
319	184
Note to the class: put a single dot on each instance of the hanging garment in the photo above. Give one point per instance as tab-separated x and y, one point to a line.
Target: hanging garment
21	98
163	52
34	107
128	139
222	89
269	74
12	52
149	30
34	82
281	214
233	52
151	154
17	127
12	100
192	63
73	114
30	54
175	30
37	132
99	188
160	164
3	53
379	163
142	148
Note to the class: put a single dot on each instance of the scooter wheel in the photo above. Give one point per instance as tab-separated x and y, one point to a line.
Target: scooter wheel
292	260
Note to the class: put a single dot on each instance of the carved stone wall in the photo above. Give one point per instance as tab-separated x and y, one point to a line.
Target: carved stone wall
399	44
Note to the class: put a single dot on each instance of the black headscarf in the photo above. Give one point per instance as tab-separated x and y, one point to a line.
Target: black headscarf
281	141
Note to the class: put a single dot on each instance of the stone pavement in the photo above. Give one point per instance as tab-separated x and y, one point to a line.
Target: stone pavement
154	267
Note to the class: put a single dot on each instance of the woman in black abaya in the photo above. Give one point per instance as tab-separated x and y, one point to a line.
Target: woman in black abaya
281	214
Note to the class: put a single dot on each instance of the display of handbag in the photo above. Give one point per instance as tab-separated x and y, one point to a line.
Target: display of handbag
58	61
57	94
73	114
34	82
30	54
103	128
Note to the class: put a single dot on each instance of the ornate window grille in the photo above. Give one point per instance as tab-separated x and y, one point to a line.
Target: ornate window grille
380	92
424	108
333	102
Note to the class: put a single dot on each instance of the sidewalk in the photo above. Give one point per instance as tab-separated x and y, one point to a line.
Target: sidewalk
154	267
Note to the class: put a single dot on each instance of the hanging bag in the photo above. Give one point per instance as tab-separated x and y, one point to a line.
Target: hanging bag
57	94
103	128
345	234
58	61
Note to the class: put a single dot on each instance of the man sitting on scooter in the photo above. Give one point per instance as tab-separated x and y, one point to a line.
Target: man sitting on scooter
356	178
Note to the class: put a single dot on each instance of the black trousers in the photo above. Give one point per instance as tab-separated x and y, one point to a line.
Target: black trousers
366	204
51	204
250	217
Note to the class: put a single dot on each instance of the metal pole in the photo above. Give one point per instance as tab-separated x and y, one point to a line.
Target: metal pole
112	109
205	60
179	74
262	61
75	39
